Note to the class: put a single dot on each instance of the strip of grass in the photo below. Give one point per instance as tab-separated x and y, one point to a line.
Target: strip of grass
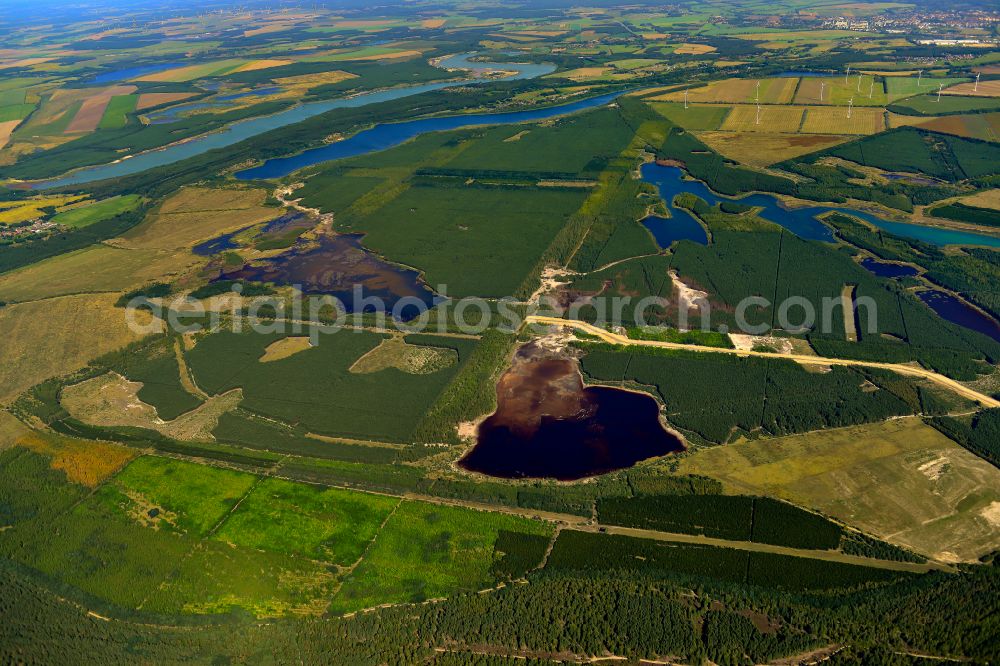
84	216
117	110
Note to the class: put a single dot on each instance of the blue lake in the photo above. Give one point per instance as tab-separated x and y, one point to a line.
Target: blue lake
246	129
802	221
887	269
957	312
668	230
385	136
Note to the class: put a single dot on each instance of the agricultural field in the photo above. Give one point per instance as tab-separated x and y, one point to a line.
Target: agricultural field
835	120
865	90
983	89
761	149
902	481
85	214
770	119
695	117
739	91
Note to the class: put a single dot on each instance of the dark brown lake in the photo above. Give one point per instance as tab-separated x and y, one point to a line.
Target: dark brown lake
549	425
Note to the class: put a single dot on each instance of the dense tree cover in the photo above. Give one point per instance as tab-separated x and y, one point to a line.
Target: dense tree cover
963	213
981	434
705	164
732	517
858	543
471	393
724	395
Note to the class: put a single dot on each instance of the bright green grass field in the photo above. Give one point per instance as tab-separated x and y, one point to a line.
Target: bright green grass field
929	104
477	241
217	578
15	112
329	524
191	498
905	86
115	114
77	218
427	551
694	117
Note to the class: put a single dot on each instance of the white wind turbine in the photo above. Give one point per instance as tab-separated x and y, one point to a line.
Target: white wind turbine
940	86
822	85
850	107
847	75
976	87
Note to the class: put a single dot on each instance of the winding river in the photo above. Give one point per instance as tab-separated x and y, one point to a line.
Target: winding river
246	129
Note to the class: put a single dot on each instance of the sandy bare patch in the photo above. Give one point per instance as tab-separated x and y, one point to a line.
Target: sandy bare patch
411	359
584	73
759	342
432	23
934	468
992	514
284	348
687	297
147	100
112	400
516	137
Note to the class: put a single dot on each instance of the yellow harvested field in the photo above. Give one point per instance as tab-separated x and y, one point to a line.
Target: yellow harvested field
760	149
317	79
53	337
584	73
263	30
773	119
653	36
147	100
262	64
834	120
984	199
6	128
432	23
395	55
901	480
83	461
192	72
99	268
985	89
12	212
693	49
195	214
772	91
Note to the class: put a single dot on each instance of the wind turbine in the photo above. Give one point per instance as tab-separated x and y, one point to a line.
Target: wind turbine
847	75
758	93
976	87
850	107
859	82
940	86
919	74
685	98
758	113
871	88
822	84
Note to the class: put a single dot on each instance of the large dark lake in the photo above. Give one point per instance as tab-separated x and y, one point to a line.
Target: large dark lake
549	425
